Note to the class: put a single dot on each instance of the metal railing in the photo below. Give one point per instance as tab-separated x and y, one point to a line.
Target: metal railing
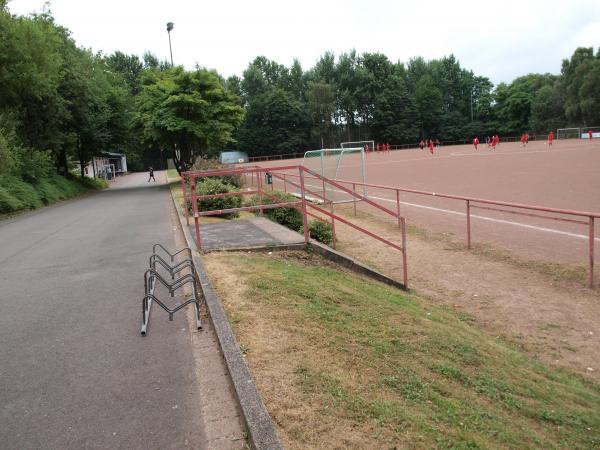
152	276
490	205
303	205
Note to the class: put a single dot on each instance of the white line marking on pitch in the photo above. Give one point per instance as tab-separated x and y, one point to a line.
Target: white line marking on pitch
475	216
490	219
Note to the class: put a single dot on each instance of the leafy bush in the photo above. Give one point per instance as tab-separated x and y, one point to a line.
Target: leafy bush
93	183
8	203
214	164
22	191
49	192
288	217
321	231
210	186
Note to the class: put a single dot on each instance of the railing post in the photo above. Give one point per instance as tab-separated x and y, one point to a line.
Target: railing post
185	206
591	250
404	251
468	224
354	197
195	211
284	184
304	215
259	189
334	238
398	205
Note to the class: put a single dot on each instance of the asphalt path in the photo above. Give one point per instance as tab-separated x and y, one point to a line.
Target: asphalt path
74	371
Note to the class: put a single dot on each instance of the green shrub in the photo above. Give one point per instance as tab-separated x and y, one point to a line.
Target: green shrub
214	164
8	203
67	186
93	183
288	217
321	231
49	192
22	191
210	186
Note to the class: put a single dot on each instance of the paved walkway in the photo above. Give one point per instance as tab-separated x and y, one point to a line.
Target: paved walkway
74	371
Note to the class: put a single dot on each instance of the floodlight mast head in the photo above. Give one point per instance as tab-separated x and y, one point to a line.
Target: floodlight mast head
169	26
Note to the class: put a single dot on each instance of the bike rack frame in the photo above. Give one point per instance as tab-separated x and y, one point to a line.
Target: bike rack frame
151	277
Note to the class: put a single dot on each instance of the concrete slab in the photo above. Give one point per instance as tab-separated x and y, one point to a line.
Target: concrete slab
243	233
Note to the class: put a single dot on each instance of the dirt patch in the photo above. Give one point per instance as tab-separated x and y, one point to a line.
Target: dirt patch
542	308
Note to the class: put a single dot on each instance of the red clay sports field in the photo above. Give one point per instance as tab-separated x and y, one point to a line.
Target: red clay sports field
565	176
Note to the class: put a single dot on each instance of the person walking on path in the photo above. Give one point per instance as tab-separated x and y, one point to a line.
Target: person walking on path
151	174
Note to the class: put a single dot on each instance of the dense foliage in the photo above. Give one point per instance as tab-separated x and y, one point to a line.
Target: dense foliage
359	97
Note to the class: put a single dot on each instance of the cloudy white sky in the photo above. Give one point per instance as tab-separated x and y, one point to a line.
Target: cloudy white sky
499	39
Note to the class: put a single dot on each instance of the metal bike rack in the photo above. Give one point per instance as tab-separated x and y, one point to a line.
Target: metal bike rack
152	276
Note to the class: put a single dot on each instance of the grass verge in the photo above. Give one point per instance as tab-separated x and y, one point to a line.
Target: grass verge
345	362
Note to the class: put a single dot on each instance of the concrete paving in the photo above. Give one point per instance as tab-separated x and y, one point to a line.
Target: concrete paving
74	371
243	233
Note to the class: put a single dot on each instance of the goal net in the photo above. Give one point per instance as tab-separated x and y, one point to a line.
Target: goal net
335	164
568	133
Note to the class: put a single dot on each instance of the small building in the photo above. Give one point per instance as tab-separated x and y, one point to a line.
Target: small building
233	157
108	165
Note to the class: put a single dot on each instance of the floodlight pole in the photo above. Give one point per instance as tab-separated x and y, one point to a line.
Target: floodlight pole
169	28
473	87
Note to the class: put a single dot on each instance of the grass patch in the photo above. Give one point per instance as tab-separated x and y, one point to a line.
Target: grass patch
374	367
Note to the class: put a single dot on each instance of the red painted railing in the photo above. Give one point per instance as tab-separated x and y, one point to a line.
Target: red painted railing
188	185
473	202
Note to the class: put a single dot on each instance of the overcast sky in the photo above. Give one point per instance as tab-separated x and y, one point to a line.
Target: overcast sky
501	40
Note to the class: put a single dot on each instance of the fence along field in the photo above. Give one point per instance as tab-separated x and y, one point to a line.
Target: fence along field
562	176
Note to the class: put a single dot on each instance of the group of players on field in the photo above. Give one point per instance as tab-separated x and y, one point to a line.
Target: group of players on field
491	142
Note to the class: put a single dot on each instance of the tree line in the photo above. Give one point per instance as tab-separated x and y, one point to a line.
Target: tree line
60	103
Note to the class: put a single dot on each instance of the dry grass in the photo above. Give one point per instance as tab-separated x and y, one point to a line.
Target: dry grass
345	362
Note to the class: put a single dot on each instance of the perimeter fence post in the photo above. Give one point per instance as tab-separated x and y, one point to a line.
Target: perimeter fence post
591	235
304	215
404	251
284	184
398	205
468	224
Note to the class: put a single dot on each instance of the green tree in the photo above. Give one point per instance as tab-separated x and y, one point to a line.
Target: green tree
275	123
320	99
190	110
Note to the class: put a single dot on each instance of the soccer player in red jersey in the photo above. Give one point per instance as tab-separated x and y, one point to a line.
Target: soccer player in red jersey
431	146
421	144
550	137
526	139
475	142
590	134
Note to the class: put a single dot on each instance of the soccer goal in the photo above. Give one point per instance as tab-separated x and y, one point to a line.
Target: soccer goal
568	133
337	163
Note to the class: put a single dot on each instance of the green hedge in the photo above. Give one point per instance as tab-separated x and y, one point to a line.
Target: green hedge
210	186
288	217
321	232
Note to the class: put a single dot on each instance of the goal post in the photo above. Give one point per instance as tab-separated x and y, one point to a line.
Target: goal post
336	163
568	133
